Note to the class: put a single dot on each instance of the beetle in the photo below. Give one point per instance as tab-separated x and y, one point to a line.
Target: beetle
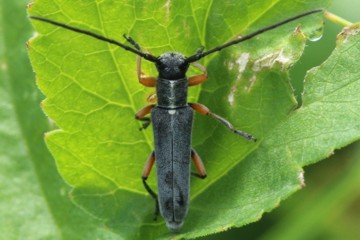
172	119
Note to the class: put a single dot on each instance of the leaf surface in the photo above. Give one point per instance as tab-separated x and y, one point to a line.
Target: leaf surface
92	95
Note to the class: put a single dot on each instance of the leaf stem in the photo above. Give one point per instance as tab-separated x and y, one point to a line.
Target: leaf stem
336	19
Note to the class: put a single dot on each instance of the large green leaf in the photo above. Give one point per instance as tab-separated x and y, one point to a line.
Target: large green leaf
92	95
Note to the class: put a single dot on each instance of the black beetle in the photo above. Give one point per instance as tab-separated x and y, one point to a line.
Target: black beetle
172	118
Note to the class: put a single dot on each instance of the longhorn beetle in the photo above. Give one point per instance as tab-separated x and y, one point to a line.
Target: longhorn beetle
172	118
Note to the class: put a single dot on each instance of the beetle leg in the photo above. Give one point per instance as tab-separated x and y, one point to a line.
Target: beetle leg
140	115
148	166
152	98
205	111
146	172
198	79
144	79
199	165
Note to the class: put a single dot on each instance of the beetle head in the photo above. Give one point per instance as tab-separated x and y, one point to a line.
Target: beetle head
172	66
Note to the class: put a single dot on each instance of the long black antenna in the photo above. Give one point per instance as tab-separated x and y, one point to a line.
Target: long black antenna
147	56
201	54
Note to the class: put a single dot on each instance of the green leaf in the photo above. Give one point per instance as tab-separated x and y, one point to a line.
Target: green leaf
328	120
34	203
92	95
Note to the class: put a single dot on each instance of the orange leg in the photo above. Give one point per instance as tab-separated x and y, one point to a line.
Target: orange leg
143	79
205	111
148	166
140	115
152	98
199	165
146	172
198	79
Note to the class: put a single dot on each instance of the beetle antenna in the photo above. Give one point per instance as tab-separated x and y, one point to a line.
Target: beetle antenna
147	56
132	42
198	55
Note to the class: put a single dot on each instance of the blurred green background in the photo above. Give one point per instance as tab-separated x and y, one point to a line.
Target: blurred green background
327	208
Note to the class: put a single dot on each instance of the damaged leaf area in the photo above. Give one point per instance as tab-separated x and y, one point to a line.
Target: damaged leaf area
92	94
347	33
279	58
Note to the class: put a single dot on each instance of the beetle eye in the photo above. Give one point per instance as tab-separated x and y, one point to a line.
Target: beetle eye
184	66
159	64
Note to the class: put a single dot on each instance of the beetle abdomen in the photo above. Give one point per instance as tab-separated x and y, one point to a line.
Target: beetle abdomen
172	136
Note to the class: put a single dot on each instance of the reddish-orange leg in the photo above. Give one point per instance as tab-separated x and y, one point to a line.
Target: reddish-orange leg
145	80
140	115
146	172
202	109
148	82
152	98
148	166
198	79
199	165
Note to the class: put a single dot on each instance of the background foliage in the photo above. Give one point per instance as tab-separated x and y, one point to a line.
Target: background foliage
31	189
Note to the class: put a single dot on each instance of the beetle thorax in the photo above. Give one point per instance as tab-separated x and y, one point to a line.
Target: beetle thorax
172	66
